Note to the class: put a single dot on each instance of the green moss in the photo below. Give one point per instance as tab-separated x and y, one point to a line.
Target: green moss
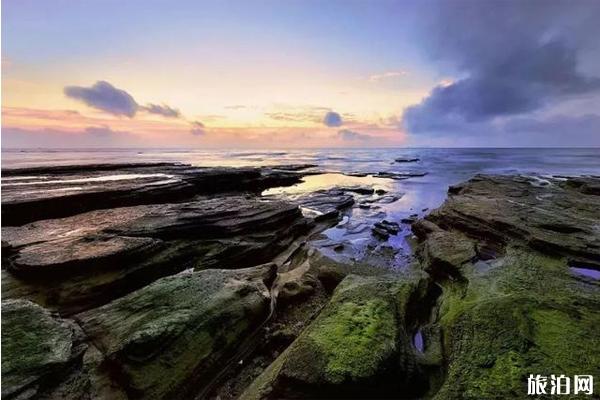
505	376
354	338
567	342
526	314
35	343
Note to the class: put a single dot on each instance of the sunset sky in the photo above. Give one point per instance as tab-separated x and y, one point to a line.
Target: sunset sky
300	73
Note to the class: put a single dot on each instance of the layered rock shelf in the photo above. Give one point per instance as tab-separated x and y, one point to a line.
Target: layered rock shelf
166	281
54	192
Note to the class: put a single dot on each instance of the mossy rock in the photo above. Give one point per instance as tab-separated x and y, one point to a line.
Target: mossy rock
38	349
170	338
357	347
526	314
501	248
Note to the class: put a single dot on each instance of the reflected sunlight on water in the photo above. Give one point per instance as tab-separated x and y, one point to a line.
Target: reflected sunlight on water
325	181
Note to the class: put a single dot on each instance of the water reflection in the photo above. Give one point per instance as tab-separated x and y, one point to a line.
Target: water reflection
418	341
326	181
587	272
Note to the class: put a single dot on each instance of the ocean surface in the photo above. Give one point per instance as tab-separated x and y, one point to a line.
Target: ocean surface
351	168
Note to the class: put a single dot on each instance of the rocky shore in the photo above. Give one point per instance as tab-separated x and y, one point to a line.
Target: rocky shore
165	281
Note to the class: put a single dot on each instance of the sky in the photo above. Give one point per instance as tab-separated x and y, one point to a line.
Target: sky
300	73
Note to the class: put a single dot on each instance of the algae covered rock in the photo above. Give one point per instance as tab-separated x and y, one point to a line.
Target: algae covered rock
512	305
38	348
357	347
525	314
172	337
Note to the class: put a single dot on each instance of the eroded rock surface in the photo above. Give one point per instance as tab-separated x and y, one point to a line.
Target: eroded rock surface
159	308
357	347
31	194
169	339
501	248
73	263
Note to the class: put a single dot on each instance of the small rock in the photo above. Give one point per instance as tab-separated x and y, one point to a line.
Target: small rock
380	233
406	160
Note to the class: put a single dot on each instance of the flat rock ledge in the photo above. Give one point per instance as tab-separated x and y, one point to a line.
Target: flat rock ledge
74	263
31	194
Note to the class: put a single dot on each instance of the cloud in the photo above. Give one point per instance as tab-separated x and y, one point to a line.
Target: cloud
556	130
34	113
294	116
296	113
198	128
163	110
102	131
386	75
348	135
105	97
332	119
93	136
513	58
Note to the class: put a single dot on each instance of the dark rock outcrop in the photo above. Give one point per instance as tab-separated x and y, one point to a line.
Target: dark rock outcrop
55	192
556	219
385	228
406	160
74	263
500	249
399	175
325	204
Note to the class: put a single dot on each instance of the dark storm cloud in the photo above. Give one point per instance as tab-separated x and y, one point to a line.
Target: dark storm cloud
105	97
514	57
198	128
332	119
163	110
350	136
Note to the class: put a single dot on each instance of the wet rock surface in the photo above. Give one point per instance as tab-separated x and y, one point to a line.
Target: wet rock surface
325	204
194	283
400	175
54	192
406	159
385	228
